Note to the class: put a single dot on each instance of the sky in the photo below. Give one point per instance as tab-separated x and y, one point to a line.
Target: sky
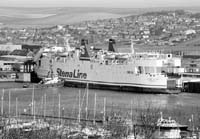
100	3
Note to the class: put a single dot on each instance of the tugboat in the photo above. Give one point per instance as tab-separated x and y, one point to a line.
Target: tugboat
46	82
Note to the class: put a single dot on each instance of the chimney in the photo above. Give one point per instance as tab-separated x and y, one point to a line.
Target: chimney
110	46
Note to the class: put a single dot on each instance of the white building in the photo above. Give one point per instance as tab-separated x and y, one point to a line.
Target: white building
7	65
190	31
10	47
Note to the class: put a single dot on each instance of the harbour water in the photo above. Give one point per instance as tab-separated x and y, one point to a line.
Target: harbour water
68	103
114	99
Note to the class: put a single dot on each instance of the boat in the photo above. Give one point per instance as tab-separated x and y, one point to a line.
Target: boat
34	126
146	72
46	83
169	129
25	125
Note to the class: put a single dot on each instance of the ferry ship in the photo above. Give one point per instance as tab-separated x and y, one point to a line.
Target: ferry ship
146	72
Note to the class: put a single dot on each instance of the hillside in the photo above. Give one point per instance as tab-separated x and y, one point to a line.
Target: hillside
61	19
53	16
23	17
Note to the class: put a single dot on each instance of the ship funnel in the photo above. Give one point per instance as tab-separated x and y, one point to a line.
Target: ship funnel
84	42
66	43
83	49
110	46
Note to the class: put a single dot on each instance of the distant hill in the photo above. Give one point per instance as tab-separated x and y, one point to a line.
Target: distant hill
53	16
24	17
59	19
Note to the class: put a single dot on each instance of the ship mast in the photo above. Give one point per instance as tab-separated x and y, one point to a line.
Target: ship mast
79	107
9	104
95	105
45	104
33	99
132	47
16	107
86	108
2	102
104	110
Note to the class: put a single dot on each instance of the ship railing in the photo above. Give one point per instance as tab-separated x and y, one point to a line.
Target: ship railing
155	74
115	62
165	56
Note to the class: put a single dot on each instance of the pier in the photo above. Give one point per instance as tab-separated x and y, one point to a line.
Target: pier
61	118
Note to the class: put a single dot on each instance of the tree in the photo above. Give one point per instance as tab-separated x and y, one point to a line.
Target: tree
117	125
148	119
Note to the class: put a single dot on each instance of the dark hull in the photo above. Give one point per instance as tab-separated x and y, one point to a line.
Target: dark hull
122	88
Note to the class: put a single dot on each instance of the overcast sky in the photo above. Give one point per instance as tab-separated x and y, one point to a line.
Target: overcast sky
100	3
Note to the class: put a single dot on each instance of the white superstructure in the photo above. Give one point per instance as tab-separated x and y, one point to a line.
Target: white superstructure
168	129
141	72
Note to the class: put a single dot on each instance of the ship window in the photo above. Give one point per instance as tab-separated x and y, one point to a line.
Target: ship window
130	72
